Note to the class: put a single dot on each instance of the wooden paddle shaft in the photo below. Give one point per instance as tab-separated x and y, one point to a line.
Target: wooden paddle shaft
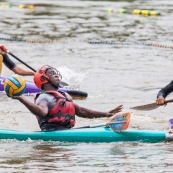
169	101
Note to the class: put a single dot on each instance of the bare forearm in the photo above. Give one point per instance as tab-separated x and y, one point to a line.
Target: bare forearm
87	113
27	73
35	109
22	72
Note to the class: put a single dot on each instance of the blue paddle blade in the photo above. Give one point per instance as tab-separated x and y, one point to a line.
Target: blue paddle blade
120	122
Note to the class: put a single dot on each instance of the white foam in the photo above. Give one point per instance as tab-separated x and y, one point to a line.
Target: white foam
71	76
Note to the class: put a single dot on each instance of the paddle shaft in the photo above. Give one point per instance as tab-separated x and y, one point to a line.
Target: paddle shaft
100	125
21	61
168	101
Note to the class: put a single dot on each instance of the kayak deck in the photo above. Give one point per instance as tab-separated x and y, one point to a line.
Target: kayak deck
89	135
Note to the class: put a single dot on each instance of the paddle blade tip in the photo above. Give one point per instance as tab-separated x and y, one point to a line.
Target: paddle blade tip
147	107
120	122
119	127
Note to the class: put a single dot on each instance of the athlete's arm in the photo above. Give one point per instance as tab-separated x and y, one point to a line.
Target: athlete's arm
165	91
38	110
18	70
8	62
15	68
162	94
88	113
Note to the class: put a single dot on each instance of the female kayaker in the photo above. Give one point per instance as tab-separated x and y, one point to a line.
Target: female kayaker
10	64
56	110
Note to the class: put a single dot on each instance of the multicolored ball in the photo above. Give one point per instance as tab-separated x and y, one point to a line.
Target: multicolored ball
14	85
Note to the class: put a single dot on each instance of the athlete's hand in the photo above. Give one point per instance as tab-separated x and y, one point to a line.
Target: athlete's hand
3	49
14	97
117	109
160	101
170	131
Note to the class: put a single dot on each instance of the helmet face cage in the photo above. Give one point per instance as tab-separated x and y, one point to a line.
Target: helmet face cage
42	75
53	71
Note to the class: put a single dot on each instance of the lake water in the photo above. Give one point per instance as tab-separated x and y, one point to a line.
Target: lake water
114	57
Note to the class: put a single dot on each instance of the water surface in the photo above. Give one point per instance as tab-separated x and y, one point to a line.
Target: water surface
127	72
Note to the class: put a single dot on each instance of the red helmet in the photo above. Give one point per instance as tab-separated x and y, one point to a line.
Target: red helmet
40	76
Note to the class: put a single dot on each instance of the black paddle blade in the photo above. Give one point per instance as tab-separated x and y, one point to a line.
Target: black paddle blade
147	107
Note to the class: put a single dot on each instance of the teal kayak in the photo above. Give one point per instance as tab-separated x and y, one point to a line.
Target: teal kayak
98	134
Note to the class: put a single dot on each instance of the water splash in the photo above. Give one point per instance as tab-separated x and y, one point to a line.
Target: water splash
72	77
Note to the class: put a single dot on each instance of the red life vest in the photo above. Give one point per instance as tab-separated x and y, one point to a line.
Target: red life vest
62	113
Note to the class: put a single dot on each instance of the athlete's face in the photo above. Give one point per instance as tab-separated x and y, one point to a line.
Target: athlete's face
54	76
